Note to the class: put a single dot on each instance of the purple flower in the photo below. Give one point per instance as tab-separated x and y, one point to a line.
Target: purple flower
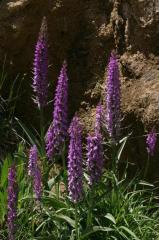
33	157
40	73
99	118
34	171
113	97
57	132
75	172
151	142
94	158
49	142
12	202
37	183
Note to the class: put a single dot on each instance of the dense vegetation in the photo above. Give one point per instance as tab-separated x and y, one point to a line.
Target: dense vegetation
54	185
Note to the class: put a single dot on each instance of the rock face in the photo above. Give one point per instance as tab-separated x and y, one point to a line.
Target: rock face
84	32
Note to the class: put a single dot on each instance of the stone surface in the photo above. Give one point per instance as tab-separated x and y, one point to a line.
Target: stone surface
84	32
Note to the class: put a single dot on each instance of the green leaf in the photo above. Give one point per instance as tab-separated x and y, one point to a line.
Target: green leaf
129	232
32	139
86	176
54	202
114	238
69	220
41	225
144	183
20	171
72	235
123	141
4	173
97	229
123	235
110	217
3	205
53	181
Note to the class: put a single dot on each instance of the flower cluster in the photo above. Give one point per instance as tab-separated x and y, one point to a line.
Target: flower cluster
33	156
57	132
94	158
12	202
113	96
151	142
34	171
75	172
49	142
99	118
37	183
40	70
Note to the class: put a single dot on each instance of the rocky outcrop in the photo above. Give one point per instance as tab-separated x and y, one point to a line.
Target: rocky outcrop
84	32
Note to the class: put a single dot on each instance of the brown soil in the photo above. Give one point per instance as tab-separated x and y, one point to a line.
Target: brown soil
84	32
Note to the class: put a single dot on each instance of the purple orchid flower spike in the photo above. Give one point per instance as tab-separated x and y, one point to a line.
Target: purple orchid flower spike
94	158
151	142
75	172
113	99
12	202
57	131
40	70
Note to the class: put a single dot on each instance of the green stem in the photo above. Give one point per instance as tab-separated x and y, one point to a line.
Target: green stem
114	159
89	216
57	184
43	153
147	166
58	190
32	208
42	130
63	161
76	222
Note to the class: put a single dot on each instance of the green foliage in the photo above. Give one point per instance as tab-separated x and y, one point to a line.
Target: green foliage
3	188
120	209
117	208
8	100
19	158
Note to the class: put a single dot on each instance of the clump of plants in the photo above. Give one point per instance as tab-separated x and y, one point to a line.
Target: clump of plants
82	198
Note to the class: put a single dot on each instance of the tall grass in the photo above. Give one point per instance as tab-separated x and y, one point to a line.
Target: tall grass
120	209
